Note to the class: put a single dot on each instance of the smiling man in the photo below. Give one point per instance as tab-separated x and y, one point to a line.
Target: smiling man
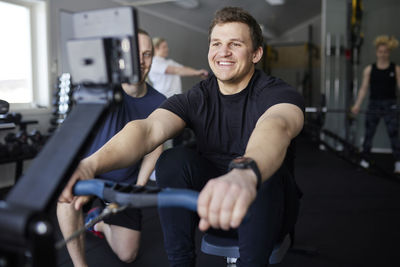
244	122
123	230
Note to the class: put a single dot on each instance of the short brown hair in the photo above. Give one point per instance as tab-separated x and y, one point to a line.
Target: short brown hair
237	14
141	31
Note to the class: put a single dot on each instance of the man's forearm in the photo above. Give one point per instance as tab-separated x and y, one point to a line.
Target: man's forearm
124	149
267	146
147	166
272	136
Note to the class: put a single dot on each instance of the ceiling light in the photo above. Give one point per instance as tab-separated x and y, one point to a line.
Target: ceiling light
187	3
275	2
137	3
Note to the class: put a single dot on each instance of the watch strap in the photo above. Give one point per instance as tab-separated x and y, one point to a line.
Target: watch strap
246	163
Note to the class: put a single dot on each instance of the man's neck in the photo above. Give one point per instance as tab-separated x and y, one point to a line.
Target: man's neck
135	90
234	87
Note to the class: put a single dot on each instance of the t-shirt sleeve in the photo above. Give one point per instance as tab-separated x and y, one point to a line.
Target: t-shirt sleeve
281	92
178	104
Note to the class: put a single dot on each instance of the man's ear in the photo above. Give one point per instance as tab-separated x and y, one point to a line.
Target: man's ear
257	55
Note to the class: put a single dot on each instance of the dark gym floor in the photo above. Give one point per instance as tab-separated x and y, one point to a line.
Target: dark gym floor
350	216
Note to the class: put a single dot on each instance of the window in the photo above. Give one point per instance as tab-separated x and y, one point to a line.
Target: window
15	52
23	54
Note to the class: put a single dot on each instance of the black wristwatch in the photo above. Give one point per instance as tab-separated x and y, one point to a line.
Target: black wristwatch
246	163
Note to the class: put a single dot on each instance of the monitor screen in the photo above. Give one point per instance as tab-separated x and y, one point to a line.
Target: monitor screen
104	46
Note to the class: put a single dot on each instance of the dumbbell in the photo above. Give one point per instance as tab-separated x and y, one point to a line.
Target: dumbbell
13	117
37	140
23	140
56	121
12	145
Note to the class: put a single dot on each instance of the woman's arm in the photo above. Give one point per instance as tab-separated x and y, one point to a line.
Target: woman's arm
362	92
186	71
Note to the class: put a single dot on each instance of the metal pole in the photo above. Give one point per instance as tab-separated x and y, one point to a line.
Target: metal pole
310	70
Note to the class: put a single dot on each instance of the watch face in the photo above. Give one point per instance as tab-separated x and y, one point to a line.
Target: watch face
242	160
246	163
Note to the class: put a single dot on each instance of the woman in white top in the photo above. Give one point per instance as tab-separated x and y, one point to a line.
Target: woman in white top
165	74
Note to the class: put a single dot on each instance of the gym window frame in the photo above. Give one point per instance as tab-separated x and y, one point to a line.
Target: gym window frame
39	47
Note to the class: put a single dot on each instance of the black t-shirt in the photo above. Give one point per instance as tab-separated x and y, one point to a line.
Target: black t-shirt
383	83
223	123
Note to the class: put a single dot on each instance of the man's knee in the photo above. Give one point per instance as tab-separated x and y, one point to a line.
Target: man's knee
124	242
126	249
128	256
170	165
174	156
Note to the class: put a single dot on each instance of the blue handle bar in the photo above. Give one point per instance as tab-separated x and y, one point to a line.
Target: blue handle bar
168	197
162	198
92	187
183	198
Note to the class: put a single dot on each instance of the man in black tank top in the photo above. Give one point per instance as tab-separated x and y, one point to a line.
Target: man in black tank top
382	78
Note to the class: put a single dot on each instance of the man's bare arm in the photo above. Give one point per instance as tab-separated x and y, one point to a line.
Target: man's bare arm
129	145
148	164
273	133
225	200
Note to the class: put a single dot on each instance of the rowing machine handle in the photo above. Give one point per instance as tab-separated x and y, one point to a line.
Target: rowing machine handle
92	187
168	197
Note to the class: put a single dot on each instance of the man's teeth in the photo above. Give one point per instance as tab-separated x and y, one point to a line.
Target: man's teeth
225	63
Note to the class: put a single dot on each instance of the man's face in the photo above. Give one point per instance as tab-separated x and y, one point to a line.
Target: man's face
383	52
145	55
230	55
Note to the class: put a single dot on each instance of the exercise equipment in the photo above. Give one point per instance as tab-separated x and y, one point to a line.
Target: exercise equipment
229	248
25	226
4	107
339	110
13	146
355	39
317	114
62	101
122	196
137	196
18	146
37	140
331	141
295	63
342	53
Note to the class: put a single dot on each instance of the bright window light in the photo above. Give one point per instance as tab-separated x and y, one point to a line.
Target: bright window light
15	53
